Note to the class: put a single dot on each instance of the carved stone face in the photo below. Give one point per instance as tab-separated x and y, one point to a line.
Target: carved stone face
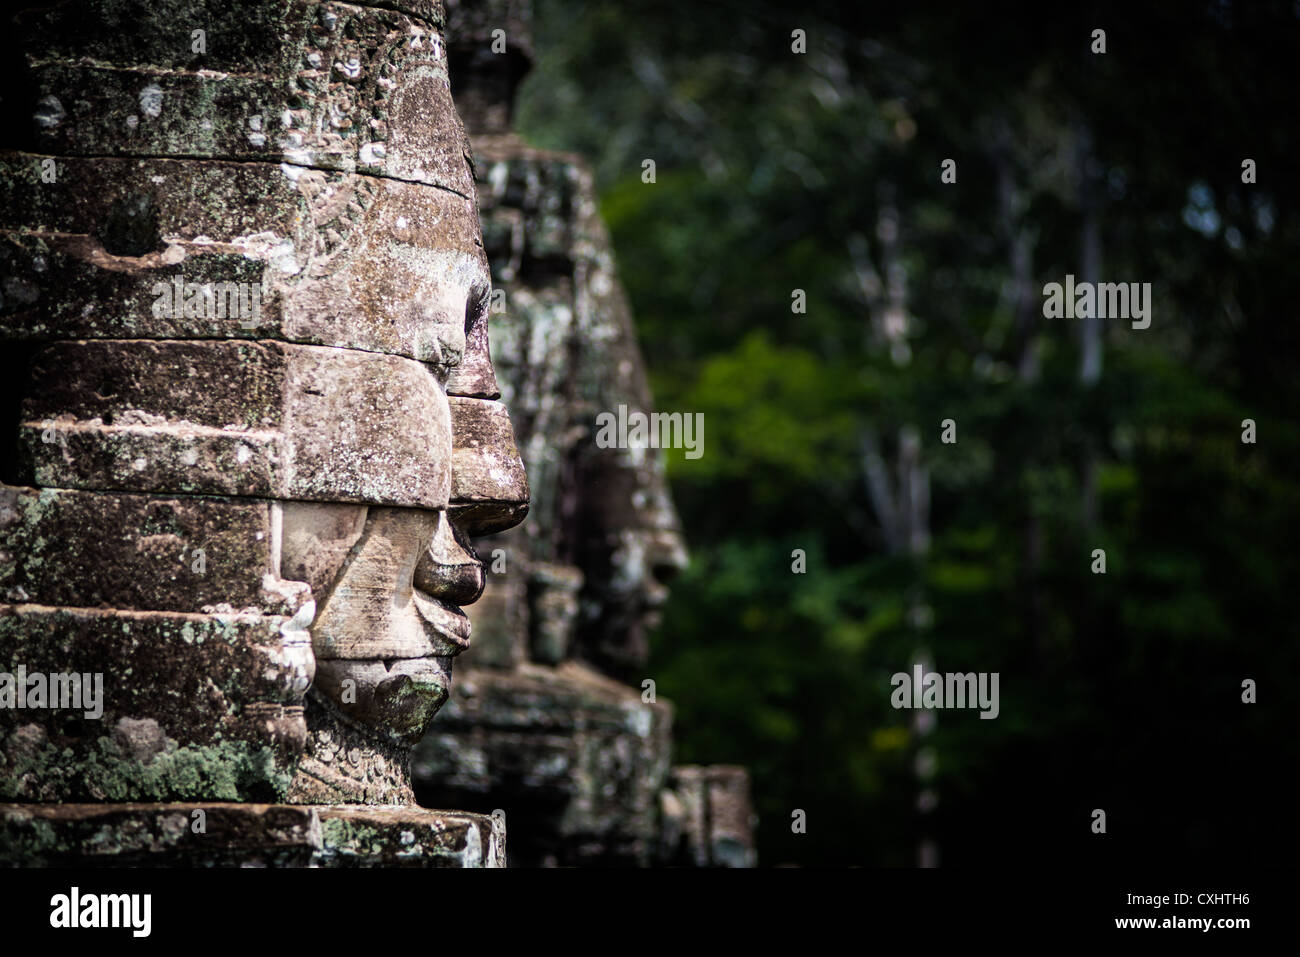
604	536
392	583
630	546
330	446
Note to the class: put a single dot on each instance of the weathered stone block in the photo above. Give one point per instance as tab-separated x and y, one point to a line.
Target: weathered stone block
553	610
500	616
709	820
486	75
338	259
140	552
245	835
241	271
236	418
172	706
326	85
578	756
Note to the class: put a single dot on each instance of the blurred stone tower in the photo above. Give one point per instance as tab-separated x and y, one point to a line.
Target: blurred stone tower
553	719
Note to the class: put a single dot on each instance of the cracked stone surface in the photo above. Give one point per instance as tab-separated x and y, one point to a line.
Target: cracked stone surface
213	834
251	429
548	720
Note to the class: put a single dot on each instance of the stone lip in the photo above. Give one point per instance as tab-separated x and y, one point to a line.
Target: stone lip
246	835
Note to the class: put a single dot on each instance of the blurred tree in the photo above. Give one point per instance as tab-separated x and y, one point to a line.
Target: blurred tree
821	172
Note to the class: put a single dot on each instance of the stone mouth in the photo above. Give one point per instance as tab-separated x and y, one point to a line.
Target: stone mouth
449	622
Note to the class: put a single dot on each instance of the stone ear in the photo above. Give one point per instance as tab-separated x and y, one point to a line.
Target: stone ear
475	377
315	540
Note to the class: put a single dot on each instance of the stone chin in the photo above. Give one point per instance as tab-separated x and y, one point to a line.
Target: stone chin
396	698
393	581
399	697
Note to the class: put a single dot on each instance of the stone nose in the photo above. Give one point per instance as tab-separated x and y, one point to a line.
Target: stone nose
489	489
448	569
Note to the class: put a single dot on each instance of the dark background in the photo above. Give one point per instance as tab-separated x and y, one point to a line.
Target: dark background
821	172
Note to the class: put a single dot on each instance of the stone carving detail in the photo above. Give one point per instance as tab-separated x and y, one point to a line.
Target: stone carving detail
549	720
252	423
708	820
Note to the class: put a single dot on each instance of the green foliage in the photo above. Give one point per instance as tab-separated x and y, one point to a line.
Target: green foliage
778	172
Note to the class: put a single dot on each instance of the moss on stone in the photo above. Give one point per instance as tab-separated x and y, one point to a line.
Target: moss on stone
226	770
